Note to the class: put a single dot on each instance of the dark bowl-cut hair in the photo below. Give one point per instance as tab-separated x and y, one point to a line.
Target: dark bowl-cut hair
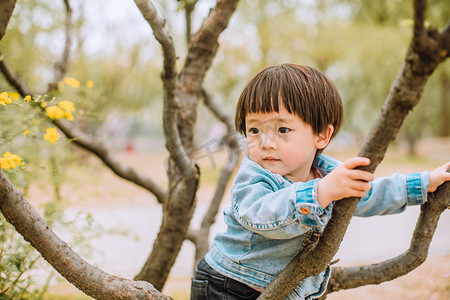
302	90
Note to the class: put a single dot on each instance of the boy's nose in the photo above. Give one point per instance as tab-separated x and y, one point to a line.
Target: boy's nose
268	142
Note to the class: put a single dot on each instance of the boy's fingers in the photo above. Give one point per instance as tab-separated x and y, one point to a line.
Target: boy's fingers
361	175
447	166
356	162
361	186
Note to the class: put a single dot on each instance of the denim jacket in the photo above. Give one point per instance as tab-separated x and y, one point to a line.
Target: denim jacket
271	219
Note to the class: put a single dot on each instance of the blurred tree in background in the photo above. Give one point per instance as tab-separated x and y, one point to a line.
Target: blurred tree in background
114	71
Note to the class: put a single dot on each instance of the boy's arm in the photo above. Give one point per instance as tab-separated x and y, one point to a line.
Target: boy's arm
390	195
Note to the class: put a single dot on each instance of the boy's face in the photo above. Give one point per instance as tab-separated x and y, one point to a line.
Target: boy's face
283	143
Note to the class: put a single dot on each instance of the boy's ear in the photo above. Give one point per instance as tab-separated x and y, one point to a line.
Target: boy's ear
324	137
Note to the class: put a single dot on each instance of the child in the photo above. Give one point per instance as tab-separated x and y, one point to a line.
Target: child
284	189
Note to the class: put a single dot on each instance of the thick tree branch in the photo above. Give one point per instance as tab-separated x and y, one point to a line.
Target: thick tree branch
352	277
89	279
203	45
421	60
6	11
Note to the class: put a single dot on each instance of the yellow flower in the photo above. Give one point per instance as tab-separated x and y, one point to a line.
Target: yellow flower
27	98
68	106
51	135
89	84
44	104
27	132
4	98
14	95
72	82
9	161
68	116
54	112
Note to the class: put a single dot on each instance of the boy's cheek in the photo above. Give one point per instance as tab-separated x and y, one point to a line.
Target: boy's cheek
251	146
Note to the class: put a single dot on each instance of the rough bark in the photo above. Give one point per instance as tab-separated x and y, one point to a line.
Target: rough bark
427	50
89	279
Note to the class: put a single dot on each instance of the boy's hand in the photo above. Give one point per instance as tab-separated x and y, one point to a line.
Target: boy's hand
438	176
345	181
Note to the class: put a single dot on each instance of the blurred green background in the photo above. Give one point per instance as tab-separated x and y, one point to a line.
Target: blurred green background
359	44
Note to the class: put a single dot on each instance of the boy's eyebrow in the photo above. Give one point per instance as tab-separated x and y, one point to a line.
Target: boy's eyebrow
256	120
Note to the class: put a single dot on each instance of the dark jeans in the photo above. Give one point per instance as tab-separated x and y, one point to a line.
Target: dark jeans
208	284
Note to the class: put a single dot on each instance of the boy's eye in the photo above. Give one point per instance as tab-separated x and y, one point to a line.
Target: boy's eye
253	130
283	130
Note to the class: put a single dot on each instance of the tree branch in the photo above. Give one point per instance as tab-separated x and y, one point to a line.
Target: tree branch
173	140
61	66
6	11
13	78
200	237
446	40
89	279
188	9
234	153
101	151
353	277
162	35
204	45
421	60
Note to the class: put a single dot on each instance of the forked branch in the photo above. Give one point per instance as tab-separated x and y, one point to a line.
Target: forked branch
204	44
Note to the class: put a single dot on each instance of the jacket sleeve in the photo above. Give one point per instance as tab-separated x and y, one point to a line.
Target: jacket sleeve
391	195
262	204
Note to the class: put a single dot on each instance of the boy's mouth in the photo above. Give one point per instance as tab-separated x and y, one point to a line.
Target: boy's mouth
270	158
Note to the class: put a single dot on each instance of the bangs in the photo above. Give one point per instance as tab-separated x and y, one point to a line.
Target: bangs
264	95
268	92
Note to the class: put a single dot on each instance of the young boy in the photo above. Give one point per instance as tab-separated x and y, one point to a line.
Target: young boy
284	189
